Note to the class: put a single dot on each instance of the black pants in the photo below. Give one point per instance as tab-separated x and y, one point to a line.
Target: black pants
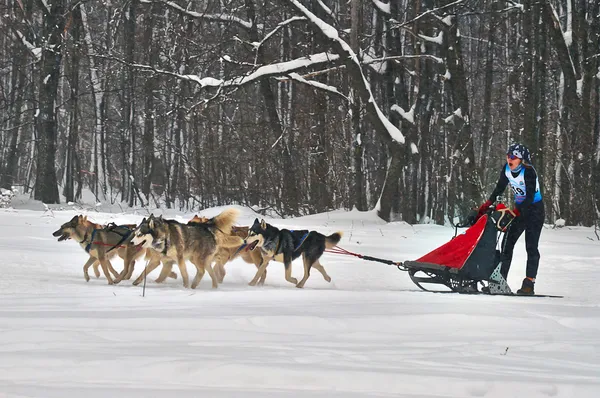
532	223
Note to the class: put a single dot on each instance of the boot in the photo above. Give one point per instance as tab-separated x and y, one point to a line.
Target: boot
527	287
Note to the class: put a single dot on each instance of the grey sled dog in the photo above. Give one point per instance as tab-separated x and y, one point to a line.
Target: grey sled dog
179	242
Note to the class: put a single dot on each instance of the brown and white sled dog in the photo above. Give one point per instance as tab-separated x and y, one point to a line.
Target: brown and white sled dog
227	254
102	243
284	246
179	242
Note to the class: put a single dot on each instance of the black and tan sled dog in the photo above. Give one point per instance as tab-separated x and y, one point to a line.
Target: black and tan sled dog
101	242
285	245
177	242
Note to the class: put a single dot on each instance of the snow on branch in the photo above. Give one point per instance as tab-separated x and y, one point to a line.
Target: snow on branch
35	51
432	11
439	39
381	6
327	9
408	116
356	69
321	86
278	69
278	27
210	17
391	58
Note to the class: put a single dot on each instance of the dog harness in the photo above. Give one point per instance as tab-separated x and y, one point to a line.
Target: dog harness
301	239
109	228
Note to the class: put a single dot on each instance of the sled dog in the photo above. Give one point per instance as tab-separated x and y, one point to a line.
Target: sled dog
179	242
284	246
102	243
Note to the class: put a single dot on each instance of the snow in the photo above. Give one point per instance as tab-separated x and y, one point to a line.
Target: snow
568	37
314	83
370	332
448	20
439	38
381	6
222	17
408	116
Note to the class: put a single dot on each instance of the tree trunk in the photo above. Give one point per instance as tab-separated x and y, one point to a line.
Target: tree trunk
46	185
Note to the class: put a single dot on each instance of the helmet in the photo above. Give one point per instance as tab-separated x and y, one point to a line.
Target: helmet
520	151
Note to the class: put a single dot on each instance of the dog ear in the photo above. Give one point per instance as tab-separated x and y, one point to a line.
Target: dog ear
151	223
263	224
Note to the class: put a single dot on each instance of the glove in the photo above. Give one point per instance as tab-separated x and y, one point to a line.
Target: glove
484	207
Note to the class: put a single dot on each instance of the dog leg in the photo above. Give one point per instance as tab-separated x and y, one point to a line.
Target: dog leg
183	271
261	282
220	270
165	272
319	267
137	253
86	267
307	265
261	270
288	270
128	264
149	268
105	265
113	271
97	269
201	266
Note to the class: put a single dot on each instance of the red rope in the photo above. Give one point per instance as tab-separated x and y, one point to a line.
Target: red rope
339	250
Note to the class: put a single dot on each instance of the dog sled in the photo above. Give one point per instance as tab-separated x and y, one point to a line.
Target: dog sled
470	260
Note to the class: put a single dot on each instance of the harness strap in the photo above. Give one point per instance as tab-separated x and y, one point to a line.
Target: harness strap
240	249
123	238
89	245
301	241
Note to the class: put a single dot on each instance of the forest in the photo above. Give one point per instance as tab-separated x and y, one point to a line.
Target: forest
297	107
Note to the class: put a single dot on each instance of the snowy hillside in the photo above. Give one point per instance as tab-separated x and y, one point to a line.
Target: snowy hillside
370	332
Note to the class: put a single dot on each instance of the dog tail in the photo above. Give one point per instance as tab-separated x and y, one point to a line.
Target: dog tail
333	239
226	219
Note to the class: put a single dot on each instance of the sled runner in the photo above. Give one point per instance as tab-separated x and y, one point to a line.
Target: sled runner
468	260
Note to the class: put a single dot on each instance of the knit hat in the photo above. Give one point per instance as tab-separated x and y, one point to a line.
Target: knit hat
520	151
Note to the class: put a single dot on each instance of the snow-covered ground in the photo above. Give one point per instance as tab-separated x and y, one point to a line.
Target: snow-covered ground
370	332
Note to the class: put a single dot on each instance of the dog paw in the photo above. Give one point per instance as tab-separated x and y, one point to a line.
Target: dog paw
135	283
252	283
328	279
87	277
